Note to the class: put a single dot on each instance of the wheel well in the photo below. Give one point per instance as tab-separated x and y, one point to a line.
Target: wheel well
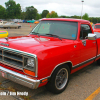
68	63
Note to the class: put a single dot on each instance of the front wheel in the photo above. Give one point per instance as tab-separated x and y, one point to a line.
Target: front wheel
59	80
19	27
8	27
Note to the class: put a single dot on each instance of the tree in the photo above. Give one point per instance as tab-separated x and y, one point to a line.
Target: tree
38	16
44	13
2	12
13	9
75	16
23	15
85	16
53	14
31	12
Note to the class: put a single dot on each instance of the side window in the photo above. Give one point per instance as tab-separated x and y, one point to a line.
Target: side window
85	29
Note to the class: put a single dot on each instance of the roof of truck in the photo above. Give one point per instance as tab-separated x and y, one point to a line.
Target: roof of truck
97	24
64	19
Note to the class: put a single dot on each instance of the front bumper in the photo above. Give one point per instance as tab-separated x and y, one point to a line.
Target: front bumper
19	78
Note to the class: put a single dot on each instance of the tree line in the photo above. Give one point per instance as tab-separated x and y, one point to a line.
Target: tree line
13	11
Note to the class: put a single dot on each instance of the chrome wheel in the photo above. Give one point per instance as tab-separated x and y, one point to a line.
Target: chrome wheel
61	78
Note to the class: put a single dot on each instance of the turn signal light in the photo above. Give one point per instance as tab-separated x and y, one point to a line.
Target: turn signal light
44	80
29	72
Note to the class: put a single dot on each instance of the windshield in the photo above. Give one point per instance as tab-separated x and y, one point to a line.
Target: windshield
62	29
97	26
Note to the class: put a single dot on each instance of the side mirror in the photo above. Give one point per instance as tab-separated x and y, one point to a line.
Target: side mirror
3	34
92	36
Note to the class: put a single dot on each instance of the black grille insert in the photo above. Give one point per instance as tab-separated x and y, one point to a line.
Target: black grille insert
12	58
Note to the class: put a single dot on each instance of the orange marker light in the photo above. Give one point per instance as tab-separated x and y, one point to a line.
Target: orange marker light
44	80
29	72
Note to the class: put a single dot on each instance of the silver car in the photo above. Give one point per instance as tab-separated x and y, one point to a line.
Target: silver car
11	25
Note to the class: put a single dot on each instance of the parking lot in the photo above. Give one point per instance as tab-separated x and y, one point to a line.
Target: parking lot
83	85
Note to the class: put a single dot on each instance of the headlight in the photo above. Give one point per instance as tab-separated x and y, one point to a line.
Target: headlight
31	62
30	66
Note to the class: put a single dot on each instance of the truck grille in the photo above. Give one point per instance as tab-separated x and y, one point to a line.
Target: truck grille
11	58
17	59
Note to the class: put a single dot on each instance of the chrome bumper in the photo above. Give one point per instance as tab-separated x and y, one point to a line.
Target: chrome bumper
19	78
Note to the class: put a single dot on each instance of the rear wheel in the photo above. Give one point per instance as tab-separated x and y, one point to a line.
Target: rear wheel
59	80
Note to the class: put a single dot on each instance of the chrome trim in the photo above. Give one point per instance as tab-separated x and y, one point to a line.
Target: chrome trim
84	62
36	68
72	64
59	65
7	64
18	51
14	59
23	60
23	54
98	55
45	78
36	62
19	78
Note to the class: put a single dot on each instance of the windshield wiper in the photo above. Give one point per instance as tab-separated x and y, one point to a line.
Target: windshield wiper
54	36
35	33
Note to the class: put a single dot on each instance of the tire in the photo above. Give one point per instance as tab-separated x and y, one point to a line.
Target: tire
59	80
98	61
19	27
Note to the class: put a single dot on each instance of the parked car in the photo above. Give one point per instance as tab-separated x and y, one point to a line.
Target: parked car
2	23
36	22
18	21
30	21
97	27
11	25
24	21
3	33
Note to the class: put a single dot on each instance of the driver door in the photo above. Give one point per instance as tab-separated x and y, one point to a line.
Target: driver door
87	47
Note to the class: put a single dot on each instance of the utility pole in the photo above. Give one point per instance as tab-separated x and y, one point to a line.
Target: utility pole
82	8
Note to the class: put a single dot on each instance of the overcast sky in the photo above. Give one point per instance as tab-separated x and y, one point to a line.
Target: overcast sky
62	7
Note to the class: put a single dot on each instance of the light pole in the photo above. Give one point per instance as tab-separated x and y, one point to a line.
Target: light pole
82	8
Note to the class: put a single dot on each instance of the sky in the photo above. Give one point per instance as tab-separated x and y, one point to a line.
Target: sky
62	7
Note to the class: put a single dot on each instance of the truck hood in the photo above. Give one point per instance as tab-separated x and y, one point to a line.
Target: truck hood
31	44
96	30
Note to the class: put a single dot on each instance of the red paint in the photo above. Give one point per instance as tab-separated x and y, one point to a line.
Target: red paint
76	69
11	68
42	84
97	27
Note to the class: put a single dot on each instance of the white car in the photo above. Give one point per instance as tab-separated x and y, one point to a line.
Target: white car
3	22
11	25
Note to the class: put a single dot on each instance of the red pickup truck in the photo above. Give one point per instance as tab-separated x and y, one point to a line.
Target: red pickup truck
54	49
97	27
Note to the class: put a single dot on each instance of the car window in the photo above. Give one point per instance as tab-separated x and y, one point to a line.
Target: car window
4	22
62	29
85	29
97	26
